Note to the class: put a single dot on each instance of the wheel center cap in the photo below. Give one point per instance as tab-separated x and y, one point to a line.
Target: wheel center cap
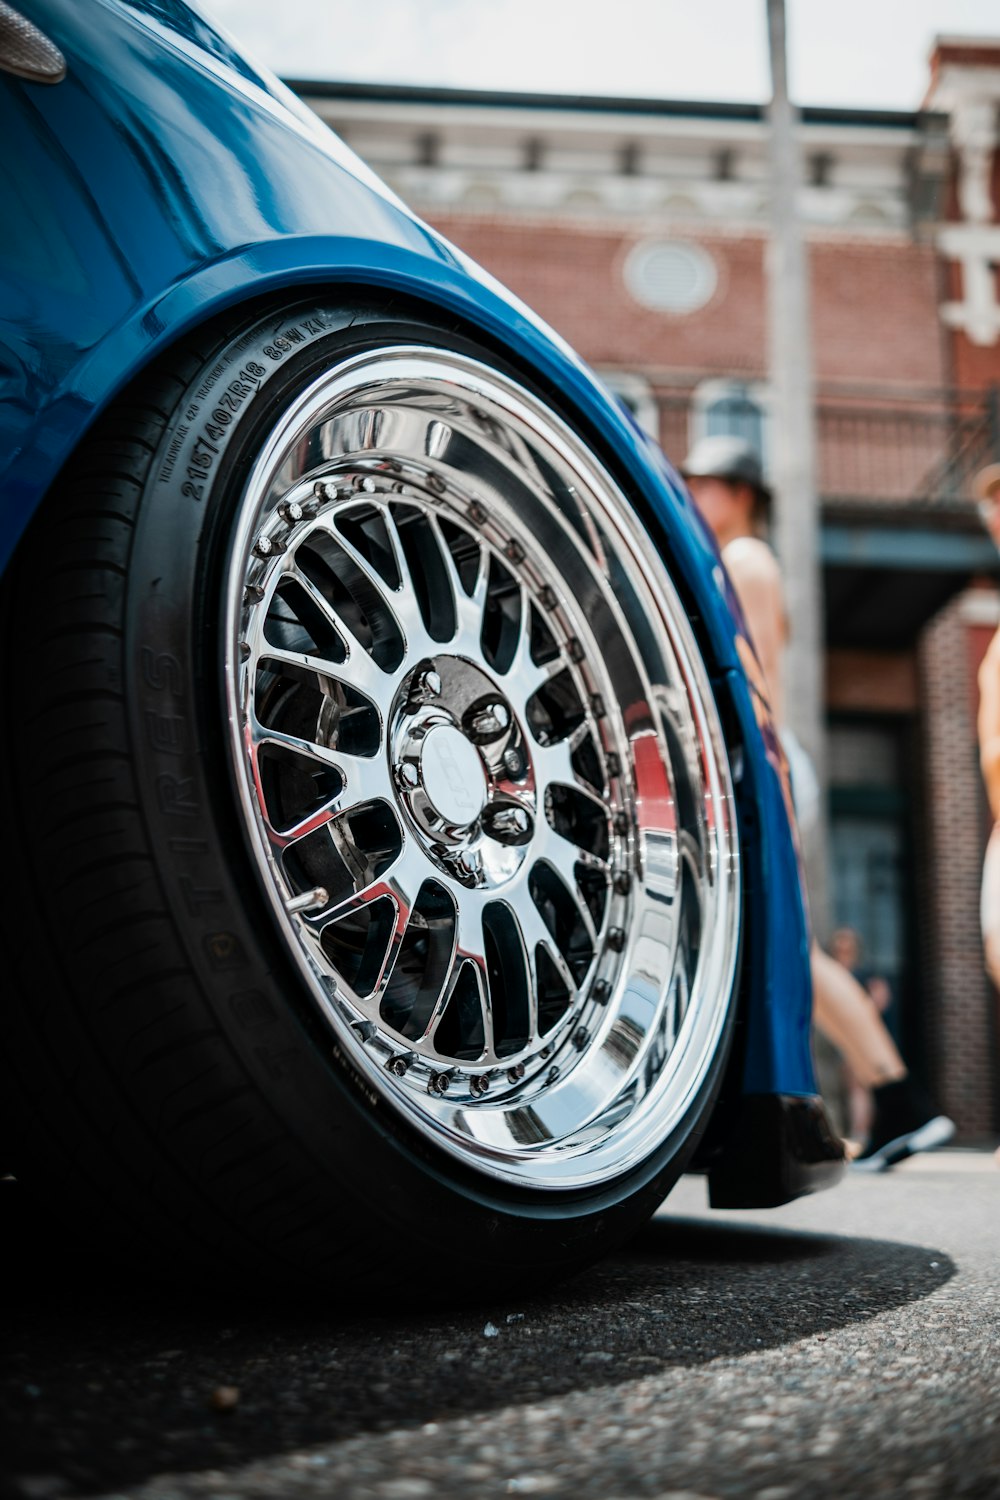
453	777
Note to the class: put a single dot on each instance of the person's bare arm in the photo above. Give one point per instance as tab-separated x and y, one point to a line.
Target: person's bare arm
756	578
988	723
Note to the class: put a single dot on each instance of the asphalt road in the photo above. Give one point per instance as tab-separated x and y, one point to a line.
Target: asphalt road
847	1344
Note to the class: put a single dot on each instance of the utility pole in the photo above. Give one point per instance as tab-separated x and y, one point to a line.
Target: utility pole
793	466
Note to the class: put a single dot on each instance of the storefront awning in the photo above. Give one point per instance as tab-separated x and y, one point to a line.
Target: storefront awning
886	575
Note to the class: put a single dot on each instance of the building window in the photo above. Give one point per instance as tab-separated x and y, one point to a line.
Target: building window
533	157
630	159
427	149
724	168
820	168
636	393
735	408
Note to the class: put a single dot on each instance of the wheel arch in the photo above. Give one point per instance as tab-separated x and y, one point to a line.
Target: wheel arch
452	291
443	287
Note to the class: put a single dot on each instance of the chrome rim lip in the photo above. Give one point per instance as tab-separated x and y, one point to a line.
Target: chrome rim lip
622	1091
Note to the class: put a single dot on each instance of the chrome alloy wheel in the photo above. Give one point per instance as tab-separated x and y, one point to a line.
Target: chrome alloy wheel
481	770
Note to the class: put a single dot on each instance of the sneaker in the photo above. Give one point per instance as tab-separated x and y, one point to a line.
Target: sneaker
905	1123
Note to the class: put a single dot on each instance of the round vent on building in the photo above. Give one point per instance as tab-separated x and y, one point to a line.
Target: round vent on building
670	276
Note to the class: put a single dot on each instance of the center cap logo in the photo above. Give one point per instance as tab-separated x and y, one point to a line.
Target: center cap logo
452	775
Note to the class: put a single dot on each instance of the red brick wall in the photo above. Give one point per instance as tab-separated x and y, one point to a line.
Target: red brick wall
875	313
874	300
960	1022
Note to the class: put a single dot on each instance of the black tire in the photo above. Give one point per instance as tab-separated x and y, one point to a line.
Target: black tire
173	1081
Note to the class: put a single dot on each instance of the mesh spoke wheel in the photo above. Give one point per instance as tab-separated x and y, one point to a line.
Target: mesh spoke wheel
480	768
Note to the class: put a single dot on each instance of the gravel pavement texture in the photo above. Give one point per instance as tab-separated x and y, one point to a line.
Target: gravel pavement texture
847	1344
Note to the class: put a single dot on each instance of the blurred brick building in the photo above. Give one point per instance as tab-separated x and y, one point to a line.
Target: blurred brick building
638	229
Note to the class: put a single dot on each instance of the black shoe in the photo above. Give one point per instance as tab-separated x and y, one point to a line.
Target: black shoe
905	1123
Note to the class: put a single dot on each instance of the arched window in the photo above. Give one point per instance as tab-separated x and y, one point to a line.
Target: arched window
734	408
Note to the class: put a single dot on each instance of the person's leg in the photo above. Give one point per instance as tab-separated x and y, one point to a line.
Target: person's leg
846	1016
860	1108
903	1121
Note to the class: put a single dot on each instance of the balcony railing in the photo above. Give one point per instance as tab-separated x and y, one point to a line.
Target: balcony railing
876	449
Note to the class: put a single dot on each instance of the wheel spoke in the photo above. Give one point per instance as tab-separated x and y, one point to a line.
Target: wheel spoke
554	767
362	563
400	883
358	670
365	778
567	874
530	675
469	956
460	968
565	855
405	600
468	607
535	934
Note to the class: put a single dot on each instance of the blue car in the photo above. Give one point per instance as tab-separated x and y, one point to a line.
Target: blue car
402	886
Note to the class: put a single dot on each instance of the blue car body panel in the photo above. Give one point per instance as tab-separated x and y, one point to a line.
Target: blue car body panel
164	181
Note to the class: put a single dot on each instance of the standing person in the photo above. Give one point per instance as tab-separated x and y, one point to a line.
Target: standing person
987	489
727	484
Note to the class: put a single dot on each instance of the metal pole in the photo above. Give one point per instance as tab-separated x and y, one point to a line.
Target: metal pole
793	468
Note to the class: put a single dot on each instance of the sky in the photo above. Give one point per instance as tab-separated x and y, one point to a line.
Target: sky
854	53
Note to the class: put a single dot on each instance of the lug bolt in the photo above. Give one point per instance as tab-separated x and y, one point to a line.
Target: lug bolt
479	1085
575	649
329	489
398	1065
552	1074
621	822
581	1038
263	546
489	720
548	598
366	1030
408	773
513	763
601	991
516	1073
509	820
597	707
613	763
244	651
253	594
514	552
429	684
439	1083
368	485
477	513
623	882
290	510
616	939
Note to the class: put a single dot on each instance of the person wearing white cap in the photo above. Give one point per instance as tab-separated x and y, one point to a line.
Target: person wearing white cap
727	483
987	491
